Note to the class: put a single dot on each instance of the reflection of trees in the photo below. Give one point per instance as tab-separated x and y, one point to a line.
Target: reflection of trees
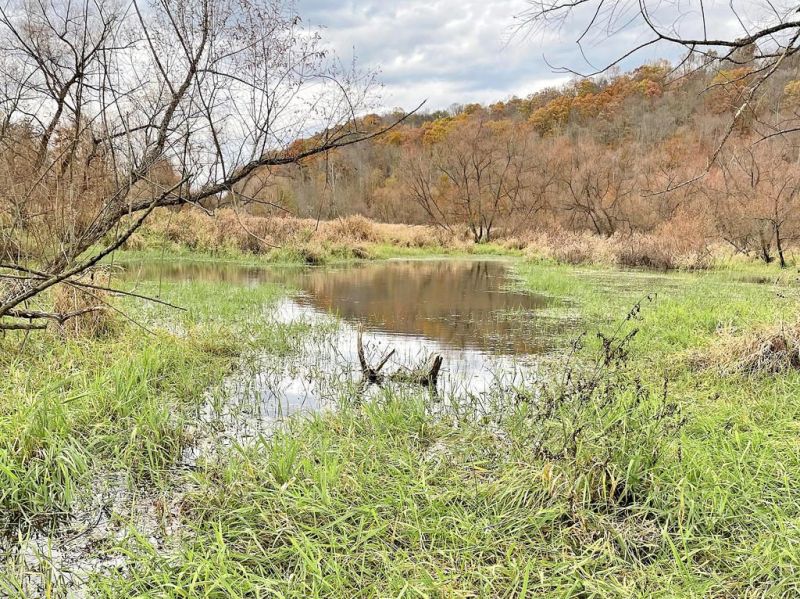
198	271
457	303
453	302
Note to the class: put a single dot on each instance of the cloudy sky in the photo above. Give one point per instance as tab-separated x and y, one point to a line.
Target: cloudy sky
463	51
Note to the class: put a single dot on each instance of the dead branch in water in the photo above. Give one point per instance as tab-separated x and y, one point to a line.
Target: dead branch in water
426	375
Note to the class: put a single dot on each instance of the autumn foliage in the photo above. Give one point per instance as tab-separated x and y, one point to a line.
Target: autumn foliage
625	158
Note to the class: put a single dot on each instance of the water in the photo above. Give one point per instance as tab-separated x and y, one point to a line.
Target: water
490	335
459	304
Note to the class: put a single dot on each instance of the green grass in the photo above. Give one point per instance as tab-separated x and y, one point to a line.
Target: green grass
615	491
684	310
69	406
325	254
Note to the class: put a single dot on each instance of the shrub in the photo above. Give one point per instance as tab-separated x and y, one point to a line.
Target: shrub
601	428
576	248
643	251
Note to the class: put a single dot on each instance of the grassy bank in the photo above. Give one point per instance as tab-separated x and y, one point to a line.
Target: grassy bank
75	410
298	257
230	235
654	464
194	235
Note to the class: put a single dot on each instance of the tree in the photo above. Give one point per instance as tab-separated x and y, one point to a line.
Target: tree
599	183
109	111
768	40
761	198
476	174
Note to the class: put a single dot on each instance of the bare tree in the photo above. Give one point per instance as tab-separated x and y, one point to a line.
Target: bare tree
477	175
111	110
598	184
423	183
760	198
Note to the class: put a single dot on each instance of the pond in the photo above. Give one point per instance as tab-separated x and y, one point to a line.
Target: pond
459	304
491	337
490	334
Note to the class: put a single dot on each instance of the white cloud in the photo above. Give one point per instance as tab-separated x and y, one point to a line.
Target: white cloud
444	51
463	50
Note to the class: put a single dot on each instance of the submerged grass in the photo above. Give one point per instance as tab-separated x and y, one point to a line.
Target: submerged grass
632	473
70	405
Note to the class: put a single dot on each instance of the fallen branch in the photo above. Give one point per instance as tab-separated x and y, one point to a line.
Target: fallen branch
59	317
371	375
12	326
426	375
34	274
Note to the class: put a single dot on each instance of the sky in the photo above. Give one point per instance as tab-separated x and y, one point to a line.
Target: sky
460	51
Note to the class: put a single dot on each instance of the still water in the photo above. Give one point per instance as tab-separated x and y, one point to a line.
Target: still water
459	304
491	338
490	334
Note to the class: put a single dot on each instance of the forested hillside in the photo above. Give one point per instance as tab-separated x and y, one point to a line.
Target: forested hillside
613	155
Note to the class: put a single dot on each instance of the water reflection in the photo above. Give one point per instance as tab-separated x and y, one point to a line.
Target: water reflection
461	304
464	310
215	272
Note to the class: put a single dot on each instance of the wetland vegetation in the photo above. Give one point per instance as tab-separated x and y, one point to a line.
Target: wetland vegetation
186	461
258	340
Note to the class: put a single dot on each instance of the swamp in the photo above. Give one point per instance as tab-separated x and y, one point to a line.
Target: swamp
448	299
601	430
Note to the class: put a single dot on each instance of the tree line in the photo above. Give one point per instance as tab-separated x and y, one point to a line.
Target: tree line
616	154
111	112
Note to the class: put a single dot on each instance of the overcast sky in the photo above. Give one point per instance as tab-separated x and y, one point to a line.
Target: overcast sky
463	50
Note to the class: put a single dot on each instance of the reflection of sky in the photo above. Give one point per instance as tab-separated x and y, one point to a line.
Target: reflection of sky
325	371
307	384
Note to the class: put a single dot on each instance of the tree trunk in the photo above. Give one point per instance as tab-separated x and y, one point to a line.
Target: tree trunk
765	248
779	246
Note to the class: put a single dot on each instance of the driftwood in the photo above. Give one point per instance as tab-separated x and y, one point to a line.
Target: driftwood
426	375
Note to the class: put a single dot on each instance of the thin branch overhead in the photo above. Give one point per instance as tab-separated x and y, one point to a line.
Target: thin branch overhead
110	113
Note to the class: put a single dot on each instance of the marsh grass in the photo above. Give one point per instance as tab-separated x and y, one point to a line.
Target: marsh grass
765	350
629	473
75	407
384	498
279	239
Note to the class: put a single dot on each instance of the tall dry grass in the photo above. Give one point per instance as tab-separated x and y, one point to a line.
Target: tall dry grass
669	247
228	230
766	350
94	323
657	250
